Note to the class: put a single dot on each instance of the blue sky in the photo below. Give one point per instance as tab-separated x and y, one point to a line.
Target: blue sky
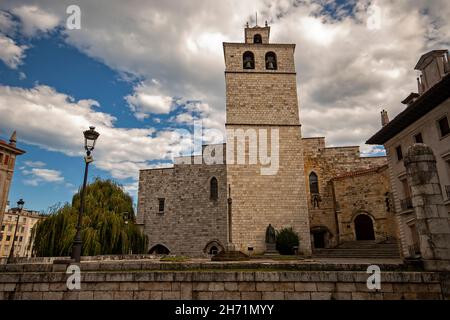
139	70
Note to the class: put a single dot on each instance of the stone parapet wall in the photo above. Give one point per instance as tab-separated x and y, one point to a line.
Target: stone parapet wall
223	285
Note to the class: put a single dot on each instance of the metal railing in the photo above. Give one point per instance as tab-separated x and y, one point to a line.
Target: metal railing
406	204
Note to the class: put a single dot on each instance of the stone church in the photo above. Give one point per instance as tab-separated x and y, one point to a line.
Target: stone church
268	173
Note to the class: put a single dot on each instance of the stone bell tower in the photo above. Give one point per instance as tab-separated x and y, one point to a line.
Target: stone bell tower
265	170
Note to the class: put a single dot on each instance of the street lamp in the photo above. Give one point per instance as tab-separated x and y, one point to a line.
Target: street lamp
20	204
90	136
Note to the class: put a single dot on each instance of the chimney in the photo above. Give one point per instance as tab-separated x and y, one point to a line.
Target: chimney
13	139
384	118
446	63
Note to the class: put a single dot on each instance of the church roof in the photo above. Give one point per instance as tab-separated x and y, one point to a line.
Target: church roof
432	98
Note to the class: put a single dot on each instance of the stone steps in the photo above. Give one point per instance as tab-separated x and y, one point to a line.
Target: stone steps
361	249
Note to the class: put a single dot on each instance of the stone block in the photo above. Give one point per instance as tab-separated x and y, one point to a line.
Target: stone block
128	286
264	286
31	295
284	286
119	277
186	291
246	286
231	286
86	295
341	296
53	295
141	295
270	295
267	276
71	295
320	295
345	287
305	286
325	286
203	295
103	295
251	295
216	286
297	296
156	295
123	295
200	286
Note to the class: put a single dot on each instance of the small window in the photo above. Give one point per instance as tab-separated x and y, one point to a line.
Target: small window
248	60
257	38
398	150
22	230
443	126
161	204
313	183
20	239
8	238
214	189
418	138
3	227
1	157
271	61
6	161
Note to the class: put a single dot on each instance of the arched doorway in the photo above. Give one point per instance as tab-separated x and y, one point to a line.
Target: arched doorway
213	247
364	228
159	249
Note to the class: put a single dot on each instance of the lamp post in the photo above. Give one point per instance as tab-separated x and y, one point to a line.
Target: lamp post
20	204
90	136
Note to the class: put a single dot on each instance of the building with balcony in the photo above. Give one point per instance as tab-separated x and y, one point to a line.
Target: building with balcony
425	120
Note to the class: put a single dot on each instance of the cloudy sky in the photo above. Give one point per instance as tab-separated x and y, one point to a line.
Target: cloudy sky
141	69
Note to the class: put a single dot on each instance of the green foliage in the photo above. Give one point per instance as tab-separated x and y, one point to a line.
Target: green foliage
104	230
287	239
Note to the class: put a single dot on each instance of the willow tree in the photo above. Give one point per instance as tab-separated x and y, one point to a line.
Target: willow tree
108	224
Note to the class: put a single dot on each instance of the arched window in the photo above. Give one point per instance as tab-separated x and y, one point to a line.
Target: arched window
271	61
313	183
248	60
257	38
214	189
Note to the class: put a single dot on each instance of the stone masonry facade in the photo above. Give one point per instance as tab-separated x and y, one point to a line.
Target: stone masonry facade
116	281
259	103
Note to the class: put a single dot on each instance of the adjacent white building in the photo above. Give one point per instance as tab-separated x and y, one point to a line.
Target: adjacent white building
426	119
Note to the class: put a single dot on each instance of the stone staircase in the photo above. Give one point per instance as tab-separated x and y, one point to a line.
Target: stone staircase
361	249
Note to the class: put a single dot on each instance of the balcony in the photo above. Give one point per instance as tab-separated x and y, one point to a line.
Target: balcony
447	190
406	204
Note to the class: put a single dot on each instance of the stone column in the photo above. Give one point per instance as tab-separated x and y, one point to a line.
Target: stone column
432	220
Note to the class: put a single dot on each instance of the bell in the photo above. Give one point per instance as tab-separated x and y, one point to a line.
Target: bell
270	65
248	64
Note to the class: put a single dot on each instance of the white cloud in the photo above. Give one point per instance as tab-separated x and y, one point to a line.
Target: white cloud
56	121
146	99
11	53
34	20
347	72
36	176
7	24
35	164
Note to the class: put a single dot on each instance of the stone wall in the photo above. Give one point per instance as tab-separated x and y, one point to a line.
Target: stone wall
191	219
278	199
368	193
235	285
329	163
